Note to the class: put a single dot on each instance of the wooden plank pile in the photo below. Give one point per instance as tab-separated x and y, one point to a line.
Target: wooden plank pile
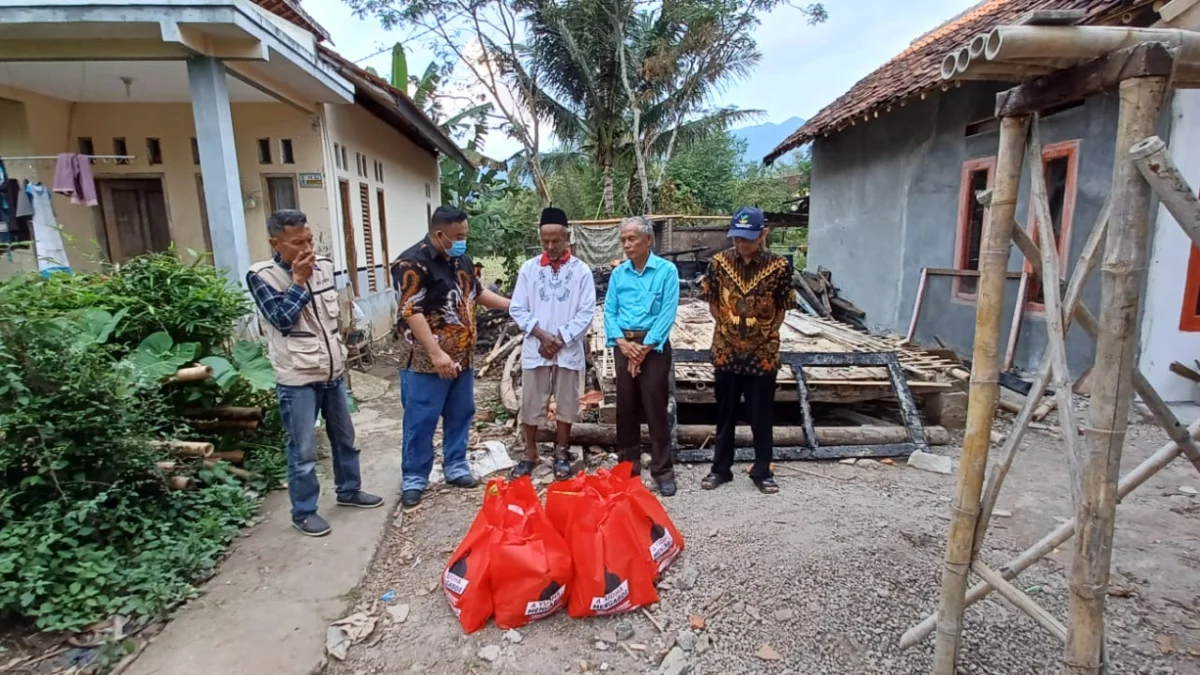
817	296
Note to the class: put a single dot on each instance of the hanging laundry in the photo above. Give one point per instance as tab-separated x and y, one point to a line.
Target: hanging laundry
51	255
73	178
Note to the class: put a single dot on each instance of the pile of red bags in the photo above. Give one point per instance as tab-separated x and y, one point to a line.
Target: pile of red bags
597	547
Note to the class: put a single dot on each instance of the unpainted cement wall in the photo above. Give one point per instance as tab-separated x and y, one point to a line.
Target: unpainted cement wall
885	203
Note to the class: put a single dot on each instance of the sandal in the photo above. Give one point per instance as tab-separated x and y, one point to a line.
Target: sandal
562	467
713	481
523	468
767	486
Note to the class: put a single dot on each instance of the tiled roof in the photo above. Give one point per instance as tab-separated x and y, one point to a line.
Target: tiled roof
917	69
293	12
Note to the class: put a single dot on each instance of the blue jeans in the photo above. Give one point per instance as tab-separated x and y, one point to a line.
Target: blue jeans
298	406
426	397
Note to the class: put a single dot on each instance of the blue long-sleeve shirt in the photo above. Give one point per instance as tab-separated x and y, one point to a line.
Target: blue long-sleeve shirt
642	301
281	309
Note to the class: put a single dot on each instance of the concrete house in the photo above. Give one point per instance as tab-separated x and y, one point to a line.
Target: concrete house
204	117
896	163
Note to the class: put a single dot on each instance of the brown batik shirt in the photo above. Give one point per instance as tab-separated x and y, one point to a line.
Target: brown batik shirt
444	290
751	299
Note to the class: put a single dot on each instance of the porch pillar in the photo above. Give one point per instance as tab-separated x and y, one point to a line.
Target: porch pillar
218	166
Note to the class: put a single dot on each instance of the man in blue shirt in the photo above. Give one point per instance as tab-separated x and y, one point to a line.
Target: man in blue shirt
639	311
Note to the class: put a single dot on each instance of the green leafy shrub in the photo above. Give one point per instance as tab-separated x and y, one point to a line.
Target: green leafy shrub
89	526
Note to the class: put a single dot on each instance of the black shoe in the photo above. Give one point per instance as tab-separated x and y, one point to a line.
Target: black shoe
410	498
562	467
713	481
666	488
361	500
523	468
467	481
312	525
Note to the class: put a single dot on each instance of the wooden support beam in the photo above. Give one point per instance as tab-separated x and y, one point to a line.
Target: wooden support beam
1151	158
1059	536
1021	601
1150	59
699	435
1122	274
984	390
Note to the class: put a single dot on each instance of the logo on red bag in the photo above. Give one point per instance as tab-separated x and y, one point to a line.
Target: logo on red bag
616	594
549	601
662	546
454	578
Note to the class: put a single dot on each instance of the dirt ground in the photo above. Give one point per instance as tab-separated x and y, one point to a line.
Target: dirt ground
822	578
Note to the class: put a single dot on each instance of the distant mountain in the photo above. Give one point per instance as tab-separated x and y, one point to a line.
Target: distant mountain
763	138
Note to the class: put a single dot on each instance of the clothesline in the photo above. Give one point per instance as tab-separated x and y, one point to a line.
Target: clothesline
102	158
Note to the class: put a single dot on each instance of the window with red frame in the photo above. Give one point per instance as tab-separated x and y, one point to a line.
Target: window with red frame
1060	169
1189	316
976	176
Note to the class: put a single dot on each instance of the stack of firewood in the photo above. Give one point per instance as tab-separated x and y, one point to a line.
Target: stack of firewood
220	419
816	295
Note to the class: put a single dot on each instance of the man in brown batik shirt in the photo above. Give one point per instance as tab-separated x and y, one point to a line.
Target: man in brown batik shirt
749	291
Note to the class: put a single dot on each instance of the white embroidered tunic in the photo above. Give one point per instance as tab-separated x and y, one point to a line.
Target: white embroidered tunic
561	302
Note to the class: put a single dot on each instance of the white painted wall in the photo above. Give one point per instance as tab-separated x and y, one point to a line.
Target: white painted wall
1161	340
408	172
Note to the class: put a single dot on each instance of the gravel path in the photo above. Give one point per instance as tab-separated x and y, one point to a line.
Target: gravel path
821	578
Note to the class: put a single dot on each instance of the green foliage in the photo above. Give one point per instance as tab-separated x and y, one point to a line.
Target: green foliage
90	528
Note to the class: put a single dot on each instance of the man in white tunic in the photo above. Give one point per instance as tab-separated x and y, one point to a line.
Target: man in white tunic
553	304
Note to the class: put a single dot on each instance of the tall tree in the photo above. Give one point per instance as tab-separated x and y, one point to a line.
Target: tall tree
485	36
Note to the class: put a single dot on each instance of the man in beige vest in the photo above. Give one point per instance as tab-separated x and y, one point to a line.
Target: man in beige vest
296	296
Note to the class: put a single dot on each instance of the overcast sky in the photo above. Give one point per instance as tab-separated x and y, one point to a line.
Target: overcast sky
803	68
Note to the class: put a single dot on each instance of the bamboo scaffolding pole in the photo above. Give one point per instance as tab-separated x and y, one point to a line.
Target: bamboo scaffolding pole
1014	331
984	390
1060	535
1083	269
1151	158
1021	601
1008	43
1056	344
1091	325
1122	274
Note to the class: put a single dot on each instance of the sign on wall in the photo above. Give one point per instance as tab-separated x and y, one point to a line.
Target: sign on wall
311	180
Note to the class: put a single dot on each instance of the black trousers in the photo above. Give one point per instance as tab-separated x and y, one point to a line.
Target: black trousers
759	392
646	395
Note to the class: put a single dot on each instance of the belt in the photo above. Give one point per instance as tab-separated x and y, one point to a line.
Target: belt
638	335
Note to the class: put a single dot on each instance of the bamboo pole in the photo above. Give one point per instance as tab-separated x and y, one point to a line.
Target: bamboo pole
224	413
917	302
1091	325
984	390
231	456
196	449
1151	158
1122	274
1059	536
1014	331
1009	43
695	435
1083	269
1056	344
1021	601
193	374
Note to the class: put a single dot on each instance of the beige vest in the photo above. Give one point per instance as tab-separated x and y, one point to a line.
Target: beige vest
312	351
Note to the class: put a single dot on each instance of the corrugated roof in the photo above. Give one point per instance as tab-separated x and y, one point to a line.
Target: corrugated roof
917	69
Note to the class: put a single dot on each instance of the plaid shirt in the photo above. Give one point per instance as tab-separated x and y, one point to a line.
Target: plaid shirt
281	309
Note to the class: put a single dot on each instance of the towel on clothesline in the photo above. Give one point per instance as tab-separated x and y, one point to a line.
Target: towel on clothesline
73	178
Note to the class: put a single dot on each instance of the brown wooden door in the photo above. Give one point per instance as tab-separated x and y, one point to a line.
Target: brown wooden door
348	235
135	216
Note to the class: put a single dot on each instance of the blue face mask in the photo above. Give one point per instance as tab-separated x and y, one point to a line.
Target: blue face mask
457	248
